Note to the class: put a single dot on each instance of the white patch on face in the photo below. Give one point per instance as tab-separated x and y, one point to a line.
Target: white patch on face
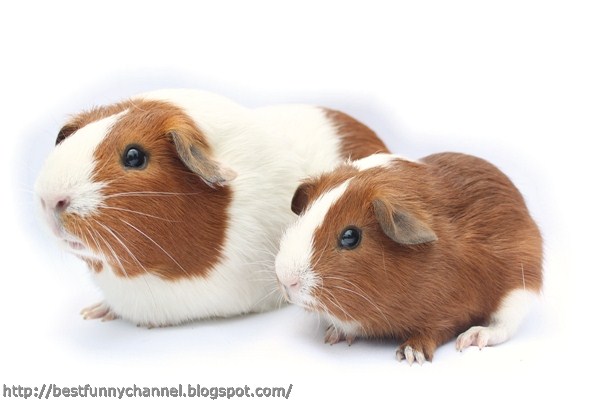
67	174
377	160
296	250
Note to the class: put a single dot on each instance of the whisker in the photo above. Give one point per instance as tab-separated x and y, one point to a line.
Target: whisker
281	300
111	232
318	324
110	248
383	258
103	166
259	262
122	243
322	311
26	188
91	235
329	296
265	297
320	257
264	266
267	252
149	194
262	280
137	212
263	276
377	308
159	246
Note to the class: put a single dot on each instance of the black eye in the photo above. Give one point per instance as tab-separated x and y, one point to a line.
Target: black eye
134	157
350	238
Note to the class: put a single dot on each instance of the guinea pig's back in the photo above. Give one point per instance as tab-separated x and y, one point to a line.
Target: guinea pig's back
489	219
314	139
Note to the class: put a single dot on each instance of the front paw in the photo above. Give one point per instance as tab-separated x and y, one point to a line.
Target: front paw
416	348
334	335
99	311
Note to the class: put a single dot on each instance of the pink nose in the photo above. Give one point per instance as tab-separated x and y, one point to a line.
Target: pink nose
291	283
290	286
56	204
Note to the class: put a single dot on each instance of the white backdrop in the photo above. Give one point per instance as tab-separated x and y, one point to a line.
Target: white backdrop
515	82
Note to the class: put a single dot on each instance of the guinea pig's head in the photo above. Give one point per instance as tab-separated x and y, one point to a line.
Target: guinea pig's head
351	250
134	185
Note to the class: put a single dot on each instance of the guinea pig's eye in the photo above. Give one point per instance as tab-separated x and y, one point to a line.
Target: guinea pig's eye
350	238
134	157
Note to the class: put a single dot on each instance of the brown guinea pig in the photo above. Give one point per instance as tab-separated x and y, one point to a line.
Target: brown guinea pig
419	251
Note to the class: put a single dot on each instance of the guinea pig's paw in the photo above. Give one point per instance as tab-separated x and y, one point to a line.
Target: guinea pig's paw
409	354
99	311
415	349
334	335
479	336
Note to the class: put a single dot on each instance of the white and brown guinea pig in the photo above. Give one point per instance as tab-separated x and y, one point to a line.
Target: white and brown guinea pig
177	199
419	251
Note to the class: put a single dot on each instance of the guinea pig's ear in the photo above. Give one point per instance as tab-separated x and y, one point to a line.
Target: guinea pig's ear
300	199
401	226
195	156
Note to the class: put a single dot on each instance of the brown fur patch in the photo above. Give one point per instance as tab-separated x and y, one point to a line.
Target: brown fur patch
162	219
487	245
357	139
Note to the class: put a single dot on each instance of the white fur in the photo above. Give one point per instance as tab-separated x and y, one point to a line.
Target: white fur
293	262
68	173
149	300
69	168
377	160
347	329
271	149
503	323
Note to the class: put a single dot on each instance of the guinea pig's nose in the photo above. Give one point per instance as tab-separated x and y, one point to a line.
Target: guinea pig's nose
291	286
55	203
293	282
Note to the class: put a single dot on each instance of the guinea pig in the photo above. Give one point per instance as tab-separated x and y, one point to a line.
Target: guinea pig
418	251
176	199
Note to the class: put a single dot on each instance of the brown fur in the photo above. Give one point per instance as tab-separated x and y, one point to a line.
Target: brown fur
152	222
153	219
358	140
424	294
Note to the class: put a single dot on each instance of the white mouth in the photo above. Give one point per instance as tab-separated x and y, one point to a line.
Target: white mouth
73	245
66	239
304	300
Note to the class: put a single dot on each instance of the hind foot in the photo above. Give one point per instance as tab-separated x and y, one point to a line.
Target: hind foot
504	322
335	335
482	336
